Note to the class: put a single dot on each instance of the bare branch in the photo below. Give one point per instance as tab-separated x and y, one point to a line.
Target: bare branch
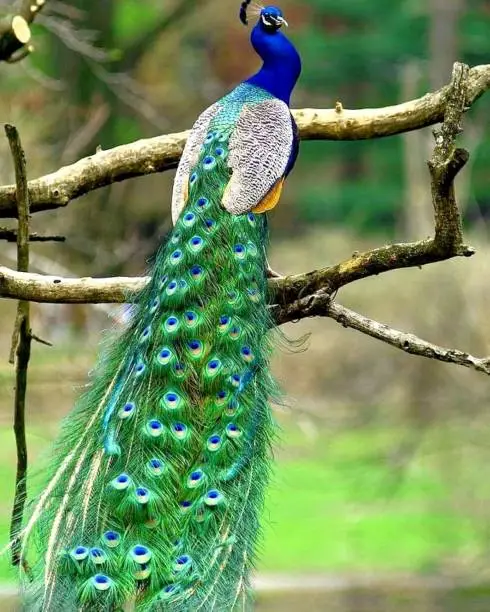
21	340
10	235
163	152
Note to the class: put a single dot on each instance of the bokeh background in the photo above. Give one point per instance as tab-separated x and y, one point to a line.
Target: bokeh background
381	496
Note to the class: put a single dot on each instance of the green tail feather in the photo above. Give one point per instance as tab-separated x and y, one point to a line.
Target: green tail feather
157	480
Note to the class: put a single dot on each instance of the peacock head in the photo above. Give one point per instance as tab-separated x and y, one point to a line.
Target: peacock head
271	18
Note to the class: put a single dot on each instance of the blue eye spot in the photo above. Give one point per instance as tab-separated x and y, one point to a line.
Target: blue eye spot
155	466
196	243
210	137
193	178
164	356
210	224
142	495
154	428
98	556
175	258
220	151
251	218
180	431
171	400
101	582
209	162
175	237
172	324
154	305
196	272
232	431
140	554
235	380
111	539
127	410
239	251
189	219
179	369
213	498
214	442
80	553
213	367
202	203
140	368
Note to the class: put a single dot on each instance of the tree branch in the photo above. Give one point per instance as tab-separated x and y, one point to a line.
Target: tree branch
10	235
321	305
162	153
21	340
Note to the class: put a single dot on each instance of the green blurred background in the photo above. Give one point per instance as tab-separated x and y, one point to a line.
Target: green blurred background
381	496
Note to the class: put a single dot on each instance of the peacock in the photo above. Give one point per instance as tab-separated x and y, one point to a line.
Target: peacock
153	495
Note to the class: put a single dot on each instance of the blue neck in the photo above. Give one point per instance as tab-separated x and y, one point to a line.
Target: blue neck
282	64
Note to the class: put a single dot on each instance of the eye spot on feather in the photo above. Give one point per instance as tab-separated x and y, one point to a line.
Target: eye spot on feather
176	236
111	539
220	152
235	332
179	431
155	466
195	348
232	431
253	294
79	553
210	225
214	443
233	297
232	407
171	288
142	495
210	137
98	556
195	479
209	162
224	323
195	244
154	428
176	257
202	203
171	400
185	506
121	482
252	249
127	410
165	356
221	397
143	572
180	369
193	178
140	554
172	324
251	219
213	367
154	305
191	318
101	582
247	354
197	273
163	282
239	252
189	219
182	564
145	335
140	368
213	498
235	380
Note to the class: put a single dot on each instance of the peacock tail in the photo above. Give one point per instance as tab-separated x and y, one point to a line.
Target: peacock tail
156	485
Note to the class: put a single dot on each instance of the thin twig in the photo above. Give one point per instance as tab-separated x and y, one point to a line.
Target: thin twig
22	340
321	305
10	235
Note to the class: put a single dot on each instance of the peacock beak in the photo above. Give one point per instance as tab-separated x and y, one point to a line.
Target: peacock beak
282	21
